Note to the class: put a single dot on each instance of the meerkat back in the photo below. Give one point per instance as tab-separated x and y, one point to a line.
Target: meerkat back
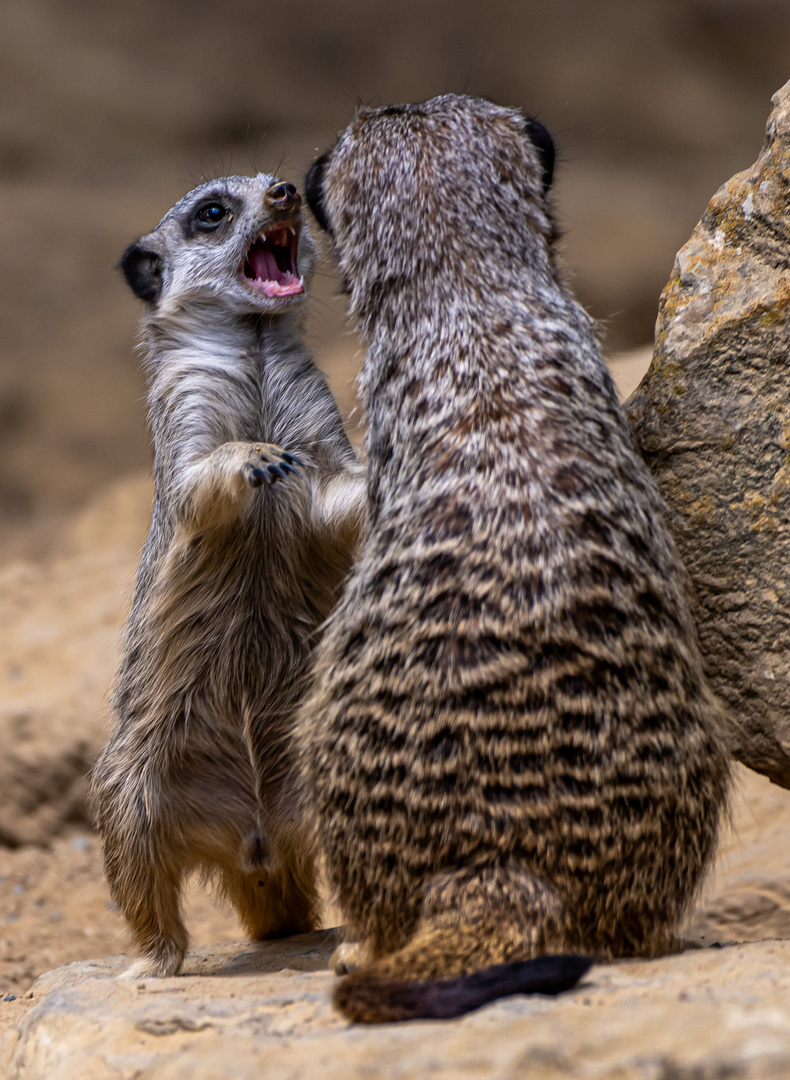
514	753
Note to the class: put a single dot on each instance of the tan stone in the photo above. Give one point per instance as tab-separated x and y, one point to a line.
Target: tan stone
712	417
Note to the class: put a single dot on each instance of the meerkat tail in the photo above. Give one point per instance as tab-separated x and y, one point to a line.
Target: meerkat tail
369	998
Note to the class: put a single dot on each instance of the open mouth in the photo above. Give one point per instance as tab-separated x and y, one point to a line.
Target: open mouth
270	264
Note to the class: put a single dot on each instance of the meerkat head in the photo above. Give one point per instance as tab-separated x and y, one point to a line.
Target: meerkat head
452	191
238	242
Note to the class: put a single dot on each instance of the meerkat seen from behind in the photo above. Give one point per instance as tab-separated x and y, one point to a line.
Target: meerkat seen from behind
257	510
511	744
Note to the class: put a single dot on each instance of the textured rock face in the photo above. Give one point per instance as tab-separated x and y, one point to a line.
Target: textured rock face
712	417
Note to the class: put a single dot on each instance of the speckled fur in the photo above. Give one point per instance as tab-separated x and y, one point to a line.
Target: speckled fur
235	580
511	744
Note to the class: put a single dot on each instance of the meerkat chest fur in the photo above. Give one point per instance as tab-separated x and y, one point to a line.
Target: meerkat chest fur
234	579
220	378
228	382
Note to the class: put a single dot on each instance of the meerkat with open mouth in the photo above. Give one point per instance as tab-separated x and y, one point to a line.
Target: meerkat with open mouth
258	507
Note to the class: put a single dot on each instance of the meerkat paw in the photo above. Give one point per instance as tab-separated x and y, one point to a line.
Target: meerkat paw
267	464
348	957
158	966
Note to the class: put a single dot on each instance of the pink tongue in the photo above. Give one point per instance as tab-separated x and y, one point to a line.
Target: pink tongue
264	264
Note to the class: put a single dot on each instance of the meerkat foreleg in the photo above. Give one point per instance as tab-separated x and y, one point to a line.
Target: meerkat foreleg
215	489
339	505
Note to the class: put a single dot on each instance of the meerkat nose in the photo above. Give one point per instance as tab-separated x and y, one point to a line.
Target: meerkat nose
282	197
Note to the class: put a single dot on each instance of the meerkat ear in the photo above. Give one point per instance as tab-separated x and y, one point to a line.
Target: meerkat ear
314	189
544	144
143	269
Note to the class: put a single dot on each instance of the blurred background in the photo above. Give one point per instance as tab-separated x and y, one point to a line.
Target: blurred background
109	112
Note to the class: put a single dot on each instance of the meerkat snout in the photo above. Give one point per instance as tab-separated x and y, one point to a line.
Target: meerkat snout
282	197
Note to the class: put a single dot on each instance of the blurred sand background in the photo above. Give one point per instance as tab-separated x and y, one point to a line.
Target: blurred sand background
108	114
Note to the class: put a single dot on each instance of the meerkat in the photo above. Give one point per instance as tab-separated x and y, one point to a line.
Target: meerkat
510	744
248	546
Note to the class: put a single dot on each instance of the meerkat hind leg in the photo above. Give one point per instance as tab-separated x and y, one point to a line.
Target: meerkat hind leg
158	931
349	956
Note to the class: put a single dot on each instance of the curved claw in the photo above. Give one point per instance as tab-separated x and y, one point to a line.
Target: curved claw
269	472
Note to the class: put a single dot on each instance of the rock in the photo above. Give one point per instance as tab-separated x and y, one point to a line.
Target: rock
747	896
61	622
712	418
254	1011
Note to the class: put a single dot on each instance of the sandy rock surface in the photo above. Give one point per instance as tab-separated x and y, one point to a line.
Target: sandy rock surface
712	417
259	1011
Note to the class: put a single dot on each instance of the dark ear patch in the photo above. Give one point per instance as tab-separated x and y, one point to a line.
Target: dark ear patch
314	189
544	144
143	270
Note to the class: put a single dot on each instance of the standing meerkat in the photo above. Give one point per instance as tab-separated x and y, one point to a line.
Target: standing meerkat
510	743
247	549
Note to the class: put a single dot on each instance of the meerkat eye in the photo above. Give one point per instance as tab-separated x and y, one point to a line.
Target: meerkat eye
211	214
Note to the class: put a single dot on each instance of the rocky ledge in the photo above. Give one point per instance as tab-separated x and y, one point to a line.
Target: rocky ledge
716	1013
